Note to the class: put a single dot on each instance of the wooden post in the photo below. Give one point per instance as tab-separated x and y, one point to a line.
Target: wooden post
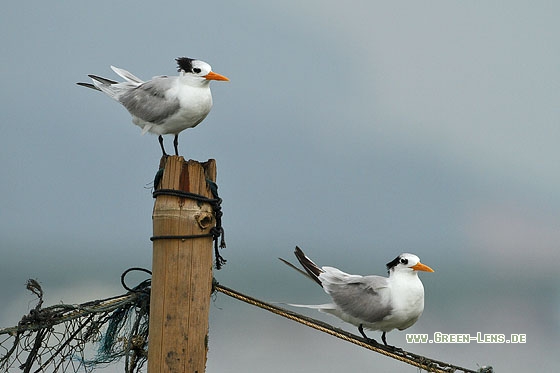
181	269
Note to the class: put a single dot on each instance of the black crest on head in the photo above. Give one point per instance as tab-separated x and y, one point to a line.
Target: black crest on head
185	64
392	264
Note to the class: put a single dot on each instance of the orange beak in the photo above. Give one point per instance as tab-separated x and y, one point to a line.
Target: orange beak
213	76
422	267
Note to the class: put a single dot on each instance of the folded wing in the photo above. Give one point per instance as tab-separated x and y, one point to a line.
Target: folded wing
363	297
148	101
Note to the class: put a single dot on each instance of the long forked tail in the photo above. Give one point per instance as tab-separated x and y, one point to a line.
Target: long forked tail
88	85
311	269
98	79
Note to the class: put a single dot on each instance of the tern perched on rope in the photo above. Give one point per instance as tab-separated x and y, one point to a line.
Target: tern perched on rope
165	104
371	302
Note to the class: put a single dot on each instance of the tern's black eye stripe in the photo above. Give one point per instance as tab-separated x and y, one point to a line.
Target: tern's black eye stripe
404	261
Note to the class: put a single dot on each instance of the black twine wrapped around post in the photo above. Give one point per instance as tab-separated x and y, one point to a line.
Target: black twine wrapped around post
215	232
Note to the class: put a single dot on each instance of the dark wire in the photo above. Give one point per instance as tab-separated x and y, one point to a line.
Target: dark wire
140	287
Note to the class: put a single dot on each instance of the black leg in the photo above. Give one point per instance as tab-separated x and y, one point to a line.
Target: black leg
369	340
176	143
160	139
385	342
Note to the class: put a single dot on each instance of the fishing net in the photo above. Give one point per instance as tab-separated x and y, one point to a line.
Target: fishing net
79	338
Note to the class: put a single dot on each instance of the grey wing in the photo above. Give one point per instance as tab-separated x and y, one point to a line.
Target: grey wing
365	298
148	101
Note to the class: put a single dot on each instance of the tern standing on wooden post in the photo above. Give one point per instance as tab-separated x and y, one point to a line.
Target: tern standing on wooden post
165	104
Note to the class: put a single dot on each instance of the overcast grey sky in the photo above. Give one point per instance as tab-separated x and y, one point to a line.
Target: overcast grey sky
355	130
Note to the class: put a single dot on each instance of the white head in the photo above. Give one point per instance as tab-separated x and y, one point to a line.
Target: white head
198	70
407	263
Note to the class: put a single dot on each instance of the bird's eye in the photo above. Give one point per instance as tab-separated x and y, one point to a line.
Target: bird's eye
196	70
404	261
